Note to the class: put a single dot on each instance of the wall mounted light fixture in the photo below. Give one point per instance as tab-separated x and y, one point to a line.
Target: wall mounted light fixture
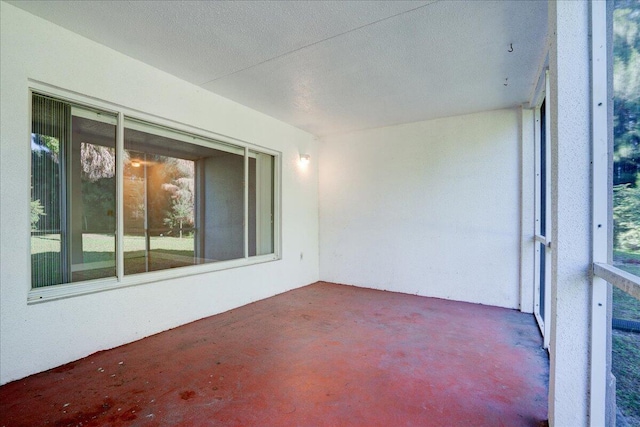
304	159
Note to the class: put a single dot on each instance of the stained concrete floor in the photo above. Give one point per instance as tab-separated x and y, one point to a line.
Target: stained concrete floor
321	355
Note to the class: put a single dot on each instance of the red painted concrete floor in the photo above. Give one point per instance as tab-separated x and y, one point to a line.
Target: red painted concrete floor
322	355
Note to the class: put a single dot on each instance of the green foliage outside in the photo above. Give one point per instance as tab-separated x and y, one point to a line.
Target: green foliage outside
626	102
37	210
179	187
626	214
626	131
45	210
626	201
180	214
52	144
625	349
168	185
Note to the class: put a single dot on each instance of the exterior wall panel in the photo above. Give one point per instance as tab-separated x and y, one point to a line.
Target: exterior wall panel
428	208
41	336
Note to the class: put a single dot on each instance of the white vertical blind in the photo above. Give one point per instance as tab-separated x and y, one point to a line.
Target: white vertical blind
49	133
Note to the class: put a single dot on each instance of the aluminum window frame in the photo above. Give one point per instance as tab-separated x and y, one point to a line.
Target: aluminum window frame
72	289
542	237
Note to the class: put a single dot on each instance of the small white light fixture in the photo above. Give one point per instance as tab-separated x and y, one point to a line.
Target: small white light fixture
304	159
135	164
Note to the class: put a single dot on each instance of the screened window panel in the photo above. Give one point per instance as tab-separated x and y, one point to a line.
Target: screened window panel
625	180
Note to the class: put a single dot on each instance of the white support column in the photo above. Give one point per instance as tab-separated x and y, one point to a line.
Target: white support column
527	227
599	408
570	140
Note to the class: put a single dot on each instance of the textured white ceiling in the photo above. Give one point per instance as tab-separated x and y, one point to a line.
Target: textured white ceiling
329	66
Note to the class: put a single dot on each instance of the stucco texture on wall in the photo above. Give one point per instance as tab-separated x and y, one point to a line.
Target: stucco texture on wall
569	65
428	208
41	336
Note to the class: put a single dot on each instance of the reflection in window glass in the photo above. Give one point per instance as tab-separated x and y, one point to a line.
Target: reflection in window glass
261	184
183	202
92	197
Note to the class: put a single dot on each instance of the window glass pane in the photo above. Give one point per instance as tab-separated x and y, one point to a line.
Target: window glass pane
92	198
261	199
72	193
48	137
183	202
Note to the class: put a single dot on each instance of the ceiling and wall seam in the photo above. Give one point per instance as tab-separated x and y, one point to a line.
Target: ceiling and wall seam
320	41
327	67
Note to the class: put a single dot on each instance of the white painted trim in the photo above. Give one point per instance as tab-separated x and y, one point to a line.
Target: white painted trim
542	94
549	218
537	170
145	126
527	202
541	239
536	295
630	283
120	197
277	206
245	196
111	107
600	211
94	115
547	133
538	92
258	204
49	293
546	339
27	137
536	215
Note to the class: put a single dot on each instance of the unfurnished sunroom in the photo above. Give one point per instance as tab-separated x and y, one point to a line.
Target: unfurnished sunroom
164	162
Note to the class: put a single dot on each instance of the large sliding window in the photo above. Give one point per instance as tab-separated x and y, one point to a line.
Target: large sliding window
185	199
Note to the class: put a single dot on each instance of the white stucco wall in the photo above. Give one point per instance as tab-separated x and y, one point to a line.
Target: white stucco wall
569	347
40	336
428	208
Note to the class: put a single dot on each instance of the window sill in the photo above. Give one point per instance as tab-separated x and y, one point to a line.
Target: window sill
68	290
